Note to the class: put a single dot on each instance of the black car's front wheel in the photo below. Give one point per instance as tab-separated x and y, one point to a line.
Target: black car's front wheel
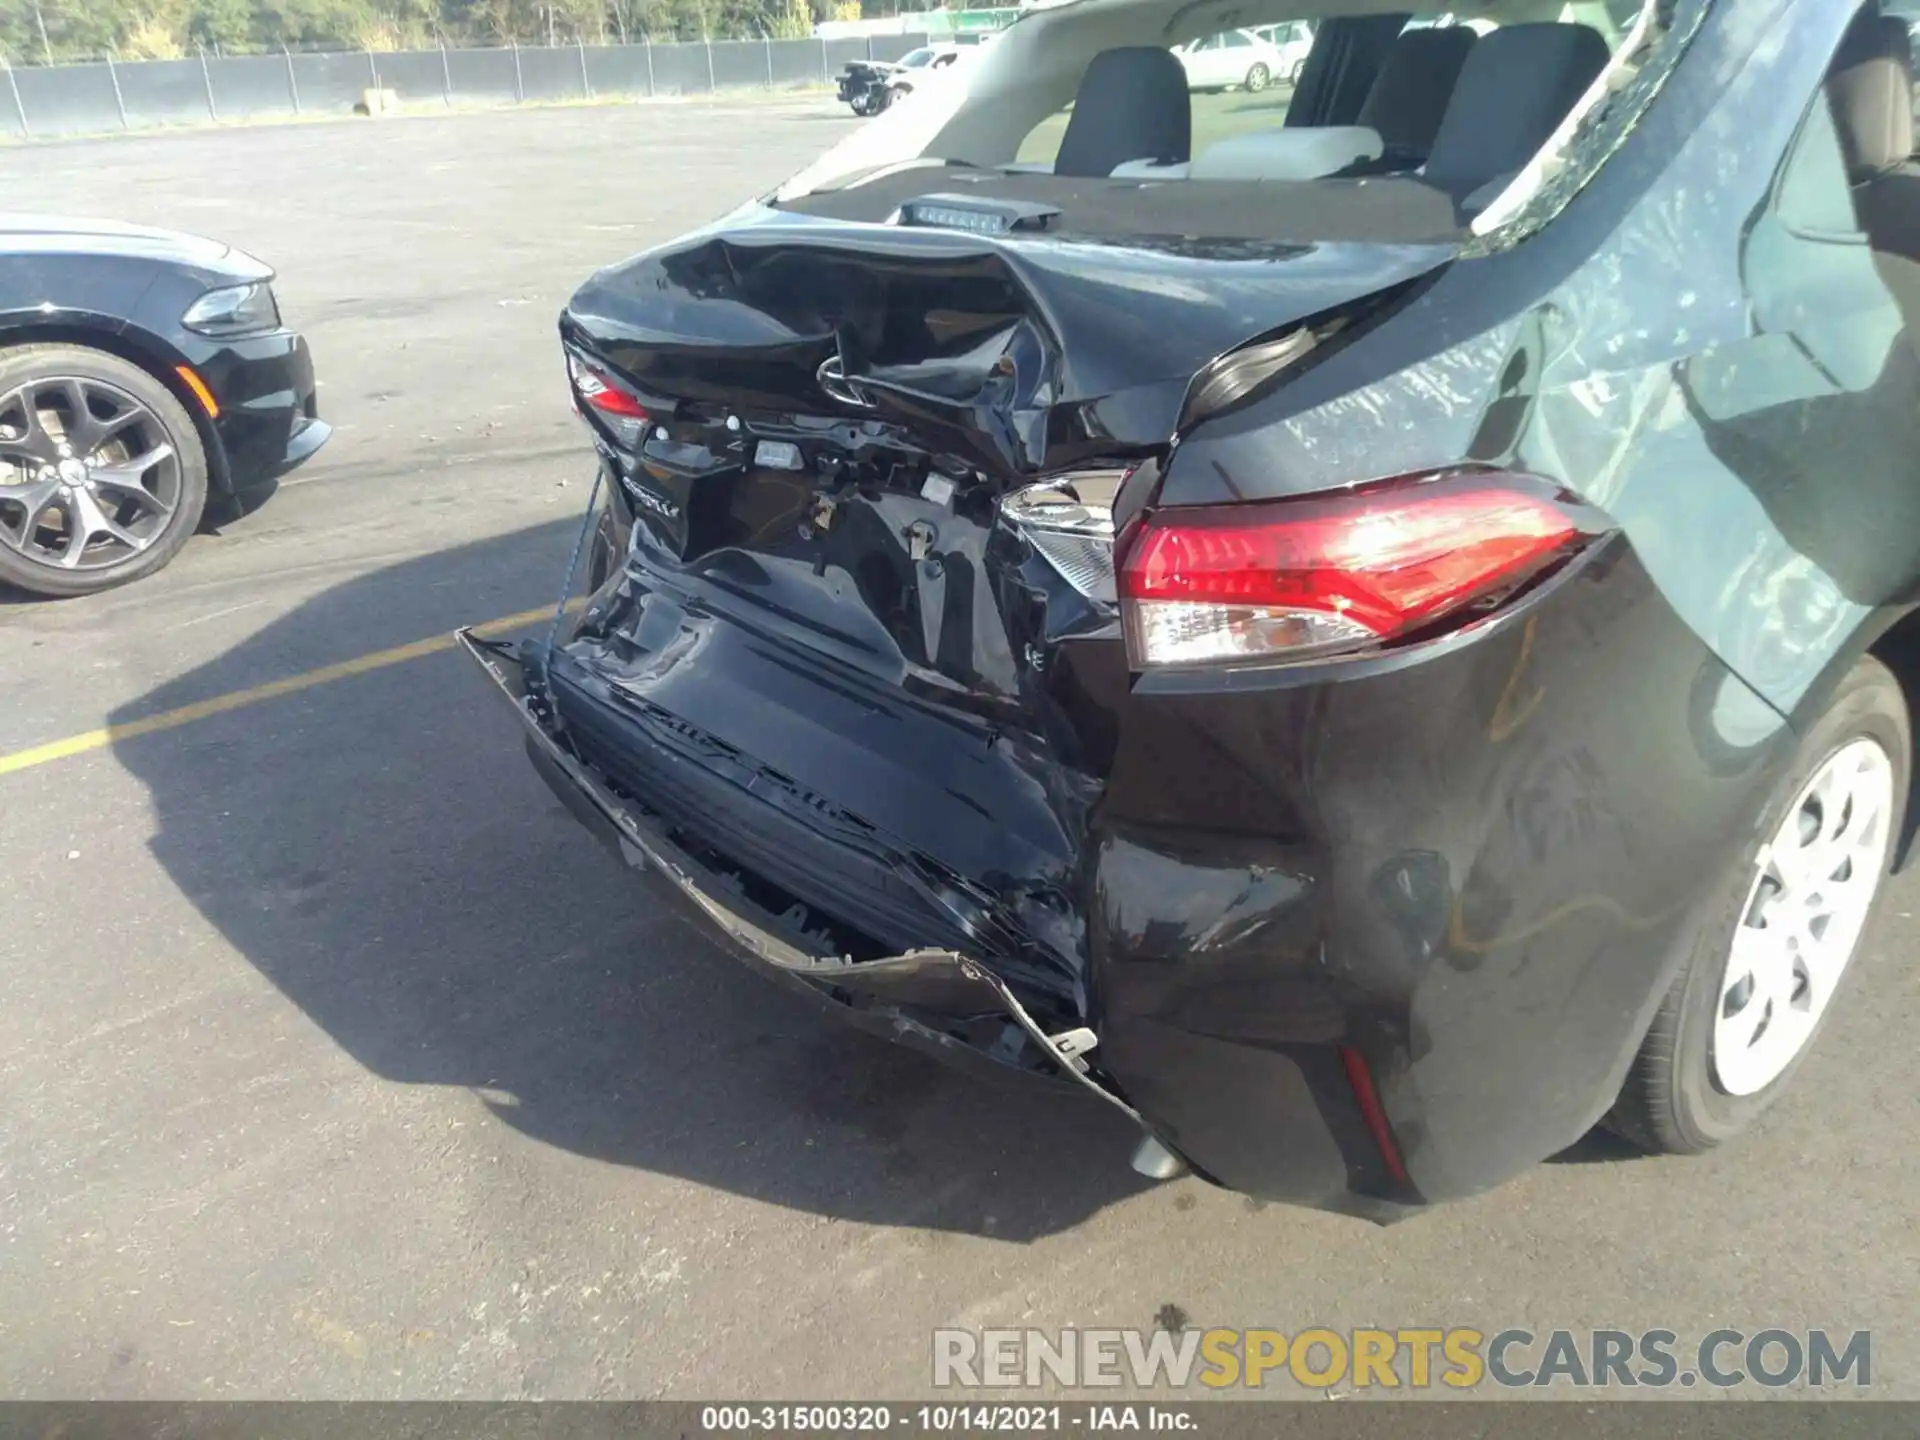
102	475
1772	952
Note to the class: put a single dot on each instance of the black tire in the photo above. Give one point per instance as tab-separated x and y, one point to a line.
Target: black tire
1257	79
883	100
1671	1102
29	566
606	548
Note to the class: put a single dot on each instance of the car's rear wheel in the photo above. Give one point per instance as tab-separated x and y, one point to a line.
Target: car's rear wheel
605	548
1764	968
1257	78
102	475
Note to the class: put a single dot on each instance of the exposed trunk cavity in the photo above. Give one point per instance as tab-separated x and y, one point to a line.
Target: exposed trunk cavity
863	659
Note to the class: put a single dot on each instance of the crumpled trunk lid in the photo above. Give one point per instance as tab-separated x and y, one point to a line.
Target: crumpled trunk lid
1020	355
856	659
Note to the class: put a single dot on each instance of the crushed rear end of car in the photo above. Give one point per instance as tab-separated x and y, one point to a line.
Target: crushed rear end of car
1176	661
860	696
856	694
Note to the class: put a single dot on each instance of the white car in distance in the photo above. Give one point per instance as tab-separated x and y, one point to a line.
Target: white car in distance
1234	57
1293	39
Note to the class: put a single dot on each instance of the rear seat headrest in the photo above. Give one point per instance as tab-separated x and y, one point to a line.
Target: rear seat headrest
1517	85
1417	79
1870	86
1132	105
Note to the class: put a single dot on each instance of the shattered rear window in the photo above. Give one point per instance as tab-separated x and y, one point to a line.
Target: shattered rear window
1670	27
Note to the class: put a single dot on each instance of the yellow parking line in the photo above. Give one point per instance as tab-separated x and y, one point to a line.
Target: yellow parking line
272	690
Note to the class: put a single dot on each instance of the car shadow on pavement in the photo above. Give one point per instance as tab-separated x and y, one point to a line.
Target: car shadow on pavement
380	850
1599	1147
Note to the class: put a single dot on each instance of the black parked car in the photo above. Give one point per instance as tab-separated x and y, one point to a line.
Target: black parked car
1374	645
144	376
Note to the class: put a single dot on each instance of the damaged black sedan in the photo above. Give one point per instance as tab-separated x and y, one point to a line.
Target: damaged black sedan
1373	642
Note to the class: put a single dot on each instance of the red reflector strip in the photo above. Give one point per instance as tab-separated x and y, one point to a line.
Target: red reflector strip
1373	1113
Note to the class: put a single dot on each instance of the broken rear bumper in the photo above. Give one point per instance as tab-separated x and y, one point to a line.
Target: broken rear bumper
938	1001
1262	1111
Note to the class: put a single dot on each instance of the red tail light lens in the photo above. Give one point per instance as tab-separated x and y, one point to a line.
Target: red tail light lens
606	397
1298	578
625	417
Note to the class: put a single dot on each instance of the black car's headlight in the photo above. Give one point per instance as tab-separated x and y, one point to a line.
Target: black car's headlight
234	310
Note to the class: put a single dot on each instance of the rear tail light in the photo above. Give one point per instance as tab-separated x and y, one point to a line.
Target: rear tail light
1297	579
618	409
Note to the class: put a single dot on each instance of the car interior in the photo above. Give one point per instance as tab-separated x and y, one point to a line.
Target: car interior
1406	126
1403	127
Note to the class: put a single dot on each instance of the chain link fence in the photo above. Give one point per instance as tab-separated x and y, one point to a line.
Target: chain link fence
43	101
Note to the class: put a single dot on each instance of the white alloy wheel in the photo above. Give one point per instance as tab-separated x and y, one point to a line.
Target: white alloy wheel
1813	887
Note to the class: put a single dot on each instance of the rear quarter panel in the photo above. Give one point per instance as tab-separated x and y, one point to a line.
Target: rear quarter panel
1499	903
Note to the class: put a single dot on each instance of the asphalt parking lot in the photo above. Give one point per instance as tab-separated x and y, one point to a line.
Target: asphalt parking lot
337	1061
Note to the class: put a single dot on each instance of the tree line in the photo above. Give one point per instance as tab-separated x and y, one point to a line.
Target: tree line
34	32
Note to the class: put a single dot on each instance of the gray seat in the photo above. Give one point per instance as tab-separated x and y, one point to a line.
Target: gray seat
1410	96
1132	105
1515	88
1347	54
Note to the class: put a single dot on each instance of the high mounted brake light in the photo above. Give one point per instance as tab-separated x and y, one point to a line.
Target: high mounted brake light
981	216
1300	579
